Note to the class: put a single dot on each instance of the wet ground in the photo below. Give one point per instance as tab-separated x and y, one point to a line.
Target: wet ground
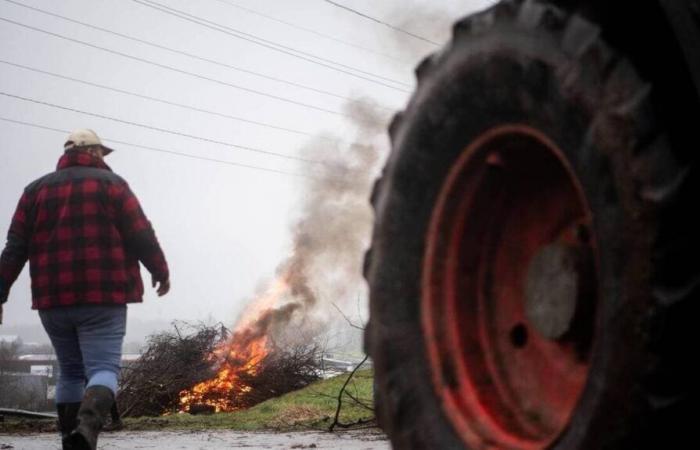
209	440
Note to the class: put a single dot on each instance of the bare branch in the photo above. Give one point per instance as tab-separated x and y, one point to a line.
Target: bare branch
340	394
359	402
347	319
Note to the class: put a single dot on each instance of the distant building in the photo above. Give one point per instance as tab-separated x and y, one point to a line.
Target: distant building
28	381
41	369
38	362
41	357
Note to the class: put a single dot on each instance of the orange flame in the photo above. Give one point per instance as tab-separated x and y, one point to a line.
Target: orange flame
237	357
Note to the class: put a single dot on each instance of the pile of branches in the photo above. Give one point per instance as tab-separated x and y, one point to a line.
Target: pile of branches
284	369
173	361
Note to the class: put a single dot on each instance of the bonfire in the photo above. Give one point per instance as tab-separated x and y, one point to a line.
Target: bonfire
250	367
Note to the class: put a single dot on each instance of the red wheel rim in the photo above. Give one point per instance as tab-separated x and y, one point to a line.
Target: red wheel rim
509	291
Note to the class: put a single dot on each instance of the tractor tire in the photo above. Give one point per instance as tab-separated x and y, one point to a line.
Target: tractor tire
533	272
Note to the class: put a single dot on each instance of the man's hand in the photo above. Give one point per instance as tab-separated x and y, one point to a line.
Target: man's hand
163	286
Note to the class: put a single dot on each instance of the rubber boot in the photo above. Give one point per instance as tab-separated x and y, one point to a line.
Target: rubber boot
115	424
67	421
92	416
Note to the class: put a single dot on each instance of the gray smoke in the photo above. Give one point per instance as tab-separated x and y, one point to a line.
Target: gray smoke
333	230
268	321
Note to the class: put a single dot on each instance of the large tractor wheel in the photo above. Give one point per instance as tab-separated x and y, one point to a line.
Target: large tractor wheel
527	284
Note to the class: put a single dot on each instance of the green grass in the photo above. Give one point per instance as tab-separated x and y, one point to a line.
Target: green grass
310	408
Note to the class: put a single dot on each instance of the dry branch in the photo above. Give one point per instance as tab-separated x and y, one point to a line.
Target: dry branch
172	362
336	422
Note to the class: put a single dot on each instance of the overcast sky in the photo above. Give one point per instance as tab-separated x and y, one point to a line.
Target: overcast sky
224	228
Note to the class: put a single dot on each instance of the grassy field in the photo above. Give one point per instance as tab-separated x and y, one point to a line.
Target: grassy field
307	409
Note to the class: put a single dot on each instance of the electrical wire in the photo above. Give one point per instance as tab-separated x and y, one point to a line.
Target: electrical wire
162	150
260	41
272	45
162	101
181	52
175	69
395	28
309	30
161	130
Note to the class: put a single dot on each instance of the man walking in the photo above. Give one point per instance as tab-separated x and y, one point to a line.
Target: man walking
84	233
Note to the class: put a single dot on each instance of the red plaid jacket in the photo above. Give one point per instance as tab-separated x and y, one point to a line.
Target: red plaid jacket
84	233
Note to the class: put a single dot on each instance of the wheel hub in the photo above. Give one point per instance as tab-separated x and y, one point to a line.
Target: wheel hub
509	291
552	290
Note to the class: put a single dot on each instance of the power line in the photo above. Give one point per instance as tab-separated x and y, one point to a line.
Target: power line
175	69
161	150
161	130
309	30
181	52
395	28
271	45
159	100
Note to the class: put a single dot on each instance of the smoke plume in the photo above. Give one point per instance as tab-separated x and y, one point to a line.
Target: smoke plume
329	236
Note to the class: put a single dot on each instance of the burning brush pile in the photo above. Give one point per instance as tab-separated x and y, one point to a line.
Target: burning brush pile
250	371
209	369
256	363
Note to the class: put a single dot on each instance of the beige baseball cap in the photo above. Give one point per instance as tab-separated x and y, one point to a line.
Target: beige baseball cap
84	138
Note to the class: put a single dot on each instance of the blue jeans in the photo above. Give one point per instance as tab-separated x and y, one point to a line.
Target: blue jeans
88	342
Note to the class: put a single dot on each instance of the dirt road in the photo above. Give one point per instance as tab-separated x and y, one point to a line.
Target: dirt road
209	440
